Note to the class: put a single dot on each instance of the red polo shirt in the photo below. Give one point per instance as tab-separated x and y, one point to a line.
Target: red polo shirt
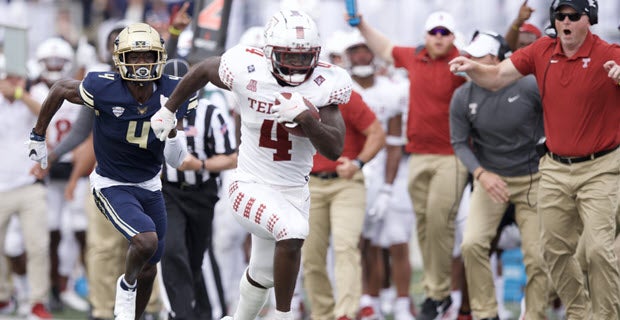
357	118
430	91
581	104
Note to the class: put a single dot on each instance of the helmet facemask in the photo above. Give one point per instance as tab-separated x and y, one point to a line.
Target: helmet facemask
292	66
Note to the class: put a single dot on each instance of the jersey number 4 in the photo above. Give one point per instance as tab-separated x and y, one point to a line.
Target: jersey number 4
141	140
281	144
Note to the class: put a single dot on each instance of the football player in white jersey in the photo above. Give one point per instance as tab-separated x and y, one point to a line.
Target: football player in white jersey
387	225
269	191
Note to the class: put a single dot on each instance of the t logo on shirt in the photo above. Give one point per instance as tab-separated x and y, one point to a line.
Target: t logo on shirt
585	62
473	108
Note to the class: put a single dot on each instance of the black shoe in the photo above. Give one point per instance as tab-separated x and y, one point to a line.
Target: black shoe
55	304
434	309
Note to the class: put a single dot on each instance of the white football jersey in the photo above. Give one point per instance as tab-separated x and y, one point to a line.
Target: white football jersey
267	153
386	102
62	121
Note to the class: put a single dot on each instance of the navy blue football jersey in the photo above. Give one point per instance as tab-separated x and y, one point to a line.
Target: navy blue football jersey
126	148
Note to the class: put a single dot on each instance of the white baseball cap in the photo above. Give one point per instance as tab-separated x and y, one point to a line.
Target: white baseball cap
440	19
482	45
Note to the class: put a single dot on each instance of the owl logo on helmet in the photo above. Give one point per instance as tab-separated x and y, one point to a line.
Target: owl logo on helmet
292	46
141	38
55	59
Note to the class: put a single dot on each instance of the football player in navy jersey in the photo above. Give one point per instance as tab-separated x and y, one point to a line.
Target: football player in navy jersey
126	182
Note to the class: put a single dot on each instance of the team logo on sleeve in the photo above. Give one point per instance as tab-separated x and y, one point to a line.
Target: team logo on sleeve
251	85
319	80
118	111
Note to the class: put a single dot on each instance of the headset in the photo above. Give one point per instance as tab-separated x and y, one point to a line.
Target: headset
504	49
591	11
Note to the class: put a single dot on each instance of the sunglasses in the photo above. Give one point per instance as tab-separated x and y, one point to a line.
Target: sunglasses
559	16
442	31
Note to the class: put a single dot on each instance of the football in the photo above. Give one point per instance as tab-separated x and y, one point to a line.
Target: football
292	127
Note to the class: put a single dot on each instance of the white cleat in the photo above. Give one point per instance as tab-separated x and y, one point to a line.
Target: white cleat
71	299
125	302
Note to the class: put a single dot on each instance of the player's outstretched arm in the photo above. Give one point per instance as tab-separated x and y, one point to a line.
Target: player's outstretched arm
198	77
163	121
62	90
326	135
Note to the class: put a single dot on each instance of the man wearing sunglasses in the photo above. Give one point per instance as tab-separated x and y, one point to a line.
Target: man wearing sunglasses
436	176
578	76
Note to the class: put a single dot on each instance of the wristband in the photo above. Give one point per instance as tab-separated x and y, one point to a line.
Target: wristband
479	174
36	137
19	93
174	31
359	163
204	165
515	27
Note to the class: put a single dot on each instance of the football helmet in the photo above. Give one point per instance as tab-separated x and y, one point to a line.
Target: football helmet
360	68
55	59
139	37
292	46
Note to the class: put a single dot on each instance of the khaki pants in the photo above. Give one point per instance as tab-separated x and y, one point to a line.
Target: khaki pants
571	197
337	209
106	249
30	204
480	228
436	183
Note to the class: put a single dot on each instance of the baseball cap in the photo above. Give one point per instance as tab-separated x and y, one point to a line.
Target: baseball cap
530	28
579	5
440	19
482	45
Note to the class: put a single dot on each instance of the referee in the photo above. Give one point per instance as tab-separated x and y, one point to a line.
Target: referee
190	197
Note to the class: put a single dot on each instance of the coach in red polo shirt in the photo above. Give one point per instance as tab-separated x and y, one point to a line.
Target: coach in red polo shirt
578	76
436	176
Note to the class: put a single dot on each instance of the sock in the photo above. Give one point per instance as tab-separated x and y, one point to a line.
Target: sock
499	293
280	315
457	299
365	301
402	305
251	299
126	286
375	303
20	282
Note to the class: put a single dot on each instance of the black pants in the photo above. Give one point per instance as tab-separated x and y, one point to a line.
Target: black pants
190	217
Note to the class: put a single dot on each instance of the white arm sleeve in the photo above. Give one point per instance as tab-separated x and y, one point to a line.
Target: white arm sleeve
175	150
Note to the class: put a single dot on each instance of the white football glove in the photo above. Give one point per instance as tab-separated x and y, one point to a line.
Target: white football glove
381	204
163	121
37	151
289	109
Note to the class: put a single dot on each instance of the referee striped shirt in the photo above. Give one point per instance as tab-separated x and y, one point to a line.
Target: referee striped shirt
209	133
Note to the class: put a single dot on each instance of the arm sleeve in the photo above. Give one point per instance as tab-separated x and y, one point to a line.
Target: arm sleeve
460	129
79	132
